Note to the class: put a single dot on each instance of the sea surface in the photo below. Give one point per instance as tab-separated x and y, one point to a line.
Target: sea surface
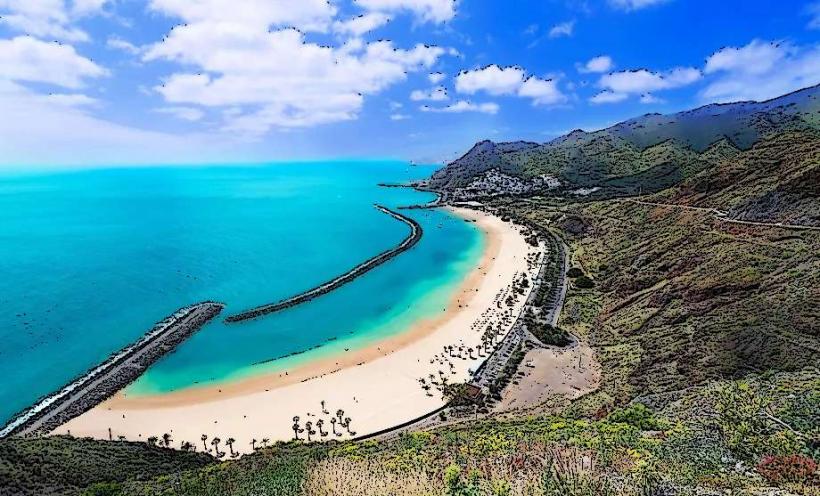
91	260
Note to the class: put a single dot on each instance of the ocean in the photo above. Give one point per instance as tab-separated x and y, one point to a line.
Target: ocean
91	259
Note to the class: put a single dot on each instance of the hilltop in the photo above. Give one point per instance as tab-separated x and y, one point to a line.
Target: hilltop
640	155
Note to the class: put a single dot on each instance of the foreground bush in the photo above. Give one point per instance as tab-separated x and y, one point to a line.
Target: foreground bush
792	468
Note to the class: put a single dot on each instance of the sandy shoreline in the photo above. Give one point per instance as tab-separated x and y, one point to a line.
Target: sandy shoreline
377	386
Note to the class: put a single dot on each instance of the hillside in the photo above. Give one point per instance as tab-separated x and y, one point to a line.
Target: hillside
777	180
648	153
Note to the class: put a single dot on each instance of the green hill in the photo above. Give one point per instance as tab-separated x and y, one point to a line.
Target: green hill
646	154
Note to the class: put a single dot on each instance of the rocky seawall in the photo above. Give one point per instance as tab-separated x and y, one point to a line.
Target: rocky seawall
338	281
106	379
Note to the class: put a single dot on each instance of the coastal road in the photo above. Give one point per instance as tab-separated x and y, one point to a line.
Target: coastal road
722	216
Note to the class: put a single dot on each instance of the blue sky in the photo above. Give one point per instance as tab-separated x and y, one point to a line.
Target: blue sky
109	82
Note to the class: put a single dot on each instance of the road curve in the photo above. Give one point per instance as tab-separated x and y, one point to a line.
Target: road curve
338	281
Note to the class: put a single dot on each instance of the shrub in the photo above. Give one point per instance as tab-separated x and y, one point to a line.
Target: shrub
636	415
103	489
548	334
584	282
575	272
791	468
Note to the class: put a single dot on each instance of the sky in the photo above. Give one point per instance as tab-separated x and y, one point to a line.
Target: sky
130	82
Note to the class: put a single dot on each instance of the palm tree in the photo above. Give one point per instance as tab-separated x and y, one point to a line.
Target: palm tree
204	438
319	424
110	437
340	413
186	446
152	441
323	408
309	429
346	425
166	440
215	442
333	424
253	444
265	442
296	429
230	442
121	438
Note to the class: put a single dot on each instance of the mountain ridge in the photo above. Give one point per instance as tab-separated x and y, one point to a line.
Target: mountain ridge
582	159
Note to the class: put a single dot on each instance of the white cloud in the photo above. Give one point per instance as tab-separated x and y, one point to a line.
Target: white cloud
644	81
491	79
76	137
68	100
362	24
648	98
436	77
760	70
436	11
542	91
242	63
634	4
495	80
437	94
86	7
464	106
563	29
813	10
305	15
27	59
399	117
608	97
191	114
599	64
45	18
116	43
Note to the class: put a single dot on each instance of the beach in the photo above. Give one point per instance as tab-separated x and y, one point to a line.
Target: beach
376	387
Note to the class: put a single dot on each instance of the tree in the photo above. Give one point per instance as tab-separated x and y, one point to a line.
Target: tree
575	272
296	429
253	444
265	442
319	424
333	424
204	438
152	441
323	408
340	413
230	442
215	442
584	282
186	446
166	440
309	429
346	425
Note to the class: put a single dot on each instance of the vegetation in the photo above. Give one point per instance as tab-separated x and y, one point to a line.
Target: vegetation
706	332
633	450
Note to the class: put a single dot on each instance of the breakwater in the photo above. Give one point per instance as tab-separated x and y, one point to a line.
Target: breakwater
119	370
338	281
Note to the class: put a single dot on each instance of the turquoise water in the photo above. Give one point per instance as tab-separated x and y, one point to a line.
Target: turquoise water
90	260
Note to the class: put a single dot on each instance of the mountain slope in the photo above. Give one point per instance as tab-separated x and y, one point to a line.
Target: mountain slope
777	180
592	159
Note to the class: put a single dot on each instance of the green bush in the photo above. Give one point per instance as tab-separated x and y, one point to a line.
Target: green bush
636	415
103	489
584	282
575	272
